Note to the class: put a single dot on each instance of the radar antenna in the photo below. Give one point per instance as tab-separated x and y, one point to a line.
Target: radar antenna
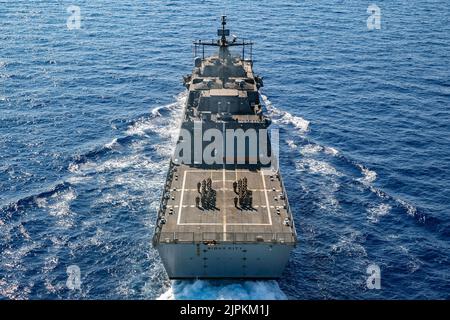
223	43
223	33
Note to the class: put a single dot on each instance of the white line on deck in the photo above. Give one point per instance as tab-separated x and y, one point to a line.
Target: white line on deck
224	209
249	224
223	192
267	198
200	224
181	198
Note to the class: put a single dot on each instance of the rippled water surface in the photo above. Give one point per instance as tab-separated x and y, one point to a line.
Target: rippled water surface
88	120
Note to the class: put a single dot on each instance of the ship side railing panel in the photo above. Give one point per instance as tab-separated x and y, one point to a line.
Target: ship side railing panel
288	207
228	237
163	204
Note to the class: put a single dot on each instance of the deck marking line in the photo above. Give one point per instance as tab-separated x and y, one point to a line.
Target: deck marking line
224	208
267	198
181	198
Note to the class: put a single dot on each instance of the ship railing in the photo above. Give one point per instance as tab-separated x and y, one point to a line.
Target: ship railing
288	207
163	203
227	237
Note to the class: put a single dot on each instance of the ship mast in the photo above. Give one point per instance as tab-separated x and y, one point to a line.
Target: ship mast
223	43
224	32
224	52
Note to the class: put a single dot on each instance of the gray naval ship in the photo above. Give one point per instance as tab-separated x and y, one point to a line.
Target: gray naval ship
224	211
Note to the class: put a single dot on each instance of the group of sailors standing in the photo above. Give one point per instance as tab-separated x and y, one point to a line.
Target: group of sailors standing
244	196
207	195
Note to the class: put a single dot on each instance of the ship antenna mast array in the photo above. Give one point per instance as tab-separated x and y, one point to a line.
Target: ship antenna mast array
222	42
224	32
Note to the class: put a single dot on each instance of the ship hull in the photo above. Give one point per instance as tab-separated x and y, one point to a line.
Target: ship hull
224	260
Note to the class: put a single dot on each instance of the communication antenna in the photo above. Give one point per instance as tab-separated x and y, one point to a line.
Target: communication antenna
223	33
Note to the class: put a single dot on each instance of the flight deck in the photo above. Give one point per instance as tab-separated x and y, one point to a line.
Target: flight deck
266	218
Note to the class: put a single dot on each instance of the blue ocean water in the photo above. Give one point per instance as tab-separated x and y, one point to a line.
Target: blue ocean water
88	120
